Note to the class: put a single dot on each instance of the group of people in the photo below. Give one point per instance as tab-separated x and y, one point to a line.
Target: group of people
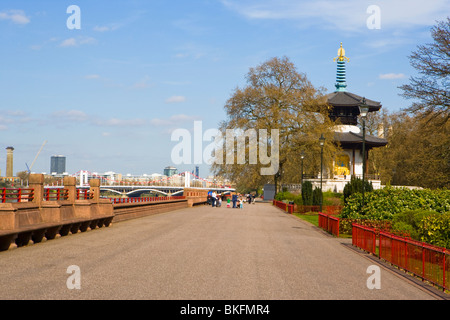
237	200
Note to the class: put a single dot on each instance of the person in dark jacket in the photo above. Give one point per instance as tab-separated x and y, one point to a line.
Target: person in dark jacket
234	200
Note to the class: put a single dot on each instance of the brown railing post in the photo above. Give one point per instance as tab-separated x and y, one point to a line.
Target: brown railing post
36	182
70	184
95	190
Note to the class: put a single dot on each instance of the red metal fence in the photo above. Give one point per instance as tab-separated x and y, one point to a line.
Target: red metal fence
429	262
56	194
16	195
335	210
329	223
289	208
364	238
84	194
148	199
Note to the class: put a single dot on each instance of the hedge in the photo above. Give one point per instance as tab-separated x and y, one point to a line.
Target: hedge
384	204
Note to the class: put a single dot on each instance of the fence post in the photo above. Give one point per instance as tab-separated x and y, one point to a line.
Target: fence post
374	245
36	182
95	190
443	269
70	183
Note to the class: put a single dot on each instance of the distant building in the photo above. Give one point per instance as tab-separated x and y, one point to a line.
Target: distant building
197	171
9	162
170	171
57	165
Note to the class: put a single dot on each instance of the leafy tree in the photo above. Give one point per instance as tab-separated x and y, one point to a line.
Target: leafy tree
278	97
356	185
418	153
307	193
432	87
317	196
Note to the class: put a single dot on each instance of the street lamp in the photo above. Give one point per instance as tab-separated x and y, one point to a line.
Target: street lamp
302	156
322	143
363	111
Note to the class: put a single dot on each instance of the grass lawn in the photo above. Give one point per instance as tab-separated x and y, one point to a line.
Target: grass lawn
310	217
313	218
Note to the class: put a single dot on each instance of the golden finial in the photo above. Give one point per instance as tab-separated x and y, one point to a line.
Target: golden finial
341	55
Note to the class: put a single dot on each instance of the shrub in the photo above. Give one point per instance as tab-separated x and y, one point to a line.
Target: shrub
435	229
409	221
289	197
356	186
307	193
317	197
387	202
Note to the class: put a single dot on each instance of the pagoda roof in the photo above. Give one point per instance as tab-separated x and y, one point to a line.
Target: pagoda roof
348	99
356	139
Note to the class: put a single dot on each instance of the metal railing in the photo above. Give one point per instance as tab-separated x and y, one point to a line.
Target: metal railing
147	199
56	194
332	210
16	195
431	263
289	208
329	223
84	194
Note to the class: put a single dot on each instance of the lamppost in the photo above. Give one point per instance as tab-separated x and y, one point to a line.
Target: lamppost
363	111
302	156
322	143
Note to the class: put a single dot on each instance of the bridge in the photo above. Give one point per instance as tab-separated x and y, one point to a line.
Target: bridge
168	186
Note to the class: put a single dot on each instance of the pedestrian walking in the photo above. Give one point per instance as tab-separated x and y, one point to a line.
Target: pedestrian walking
213	198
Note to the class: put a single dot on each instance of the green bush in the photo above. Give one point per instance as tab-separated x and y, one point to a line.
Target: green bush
410	221
332	198
356	186
286	196
435	229
317	197
387	202
307	193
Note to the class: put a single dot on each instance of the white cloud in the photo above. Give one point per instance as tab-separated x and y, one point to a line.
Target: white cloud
143	83
343	15
70	115
392	76
92	76
110	27
176	99
174	120
15	16
114	122
101	29
72	42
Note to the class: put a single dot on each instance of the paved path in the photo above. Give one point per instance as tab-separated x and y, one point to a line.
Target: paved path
254	253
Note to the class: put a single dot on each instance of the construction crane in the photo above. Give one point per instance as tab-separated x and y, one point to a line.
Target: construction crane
35	158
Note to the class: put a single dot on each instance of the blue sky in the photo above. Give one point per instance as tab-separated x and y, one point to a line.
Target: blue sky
108	95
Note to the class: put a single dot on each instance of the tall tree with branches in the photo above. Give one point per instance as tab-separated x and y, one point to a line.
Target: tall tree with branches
278	97
432	88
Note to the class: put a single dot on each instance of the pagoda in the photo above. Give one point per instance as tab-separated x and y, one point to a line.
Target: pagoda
345	109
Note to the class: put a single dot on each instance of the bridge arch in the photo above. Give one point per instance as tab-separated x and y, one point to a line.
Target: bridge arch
145	190
111	190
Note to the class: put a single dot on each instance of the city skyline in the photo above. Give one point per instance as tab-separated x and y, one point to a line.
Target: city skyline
108	95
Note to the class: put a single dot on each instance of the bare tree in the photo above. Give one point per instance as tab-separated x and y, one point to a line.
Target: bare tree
432	88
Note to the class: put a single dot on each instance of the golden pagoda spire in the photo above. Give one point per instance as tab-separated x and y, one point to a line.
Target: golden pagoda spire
341	55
